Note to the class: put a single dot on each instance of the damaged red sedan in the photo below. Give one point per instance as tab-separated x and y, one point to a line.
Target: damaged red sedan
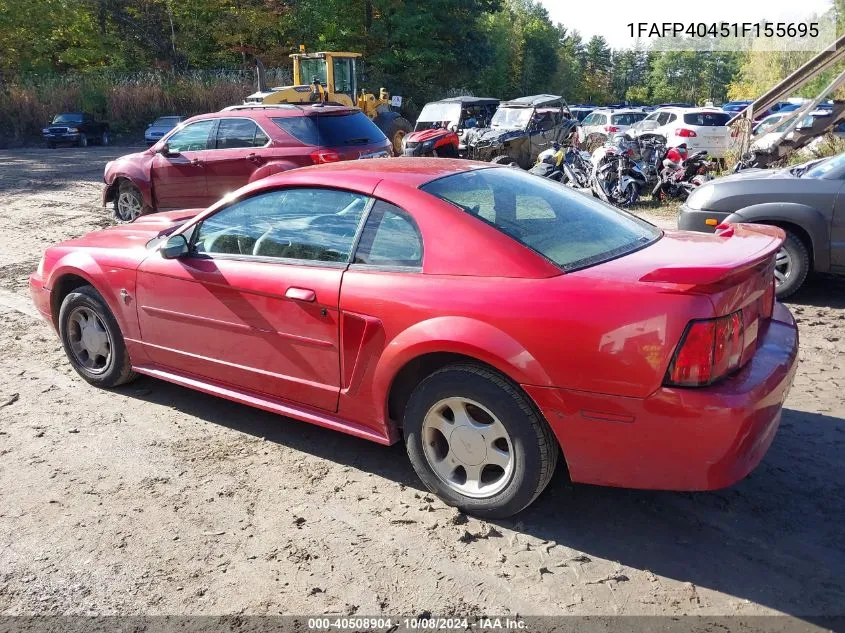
497	323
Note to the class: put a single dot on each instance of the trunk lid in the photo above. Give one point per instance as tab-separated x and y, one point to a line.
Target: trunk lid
734	270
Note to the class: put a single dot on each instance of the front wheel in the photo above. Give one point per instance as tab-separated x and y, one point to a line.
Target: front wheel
92	339
476	441
503	159
83	140
792	265
129	203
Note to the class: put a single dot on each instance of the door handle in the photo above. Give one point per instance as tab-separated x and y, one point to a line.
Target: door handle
255	158
196	162
301	294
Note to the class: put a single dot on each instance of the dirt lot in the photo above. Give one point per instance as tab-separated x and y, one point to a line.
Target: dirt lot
155	499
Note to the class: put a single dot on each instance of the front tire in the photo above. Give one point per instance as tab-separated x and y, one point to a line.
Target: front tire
503	159
83	140
792	265
92	339
129	203
477	442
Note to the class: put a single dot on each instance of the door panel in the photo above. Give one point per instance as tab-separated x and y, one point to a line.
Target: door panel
238	150
179	182
230	321
837	234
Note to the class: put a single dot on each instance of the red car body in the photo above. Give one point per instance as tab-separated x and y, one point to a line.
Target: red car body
332	345
199	177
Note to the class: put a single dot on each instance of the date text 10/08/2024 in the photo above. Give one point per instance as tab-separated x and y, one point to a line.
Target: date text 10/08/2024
422	623
724	29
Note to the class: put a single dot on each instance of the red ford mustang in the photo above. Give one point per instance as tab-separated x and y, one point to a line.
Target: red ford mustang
492	319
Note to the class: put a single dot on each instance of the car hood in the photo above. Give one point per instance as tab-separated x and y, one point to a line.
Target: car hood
421	136
497	134
135	235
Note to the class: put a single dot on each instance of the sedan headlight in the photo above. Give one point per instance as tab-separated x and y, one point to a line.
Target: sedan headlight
701	197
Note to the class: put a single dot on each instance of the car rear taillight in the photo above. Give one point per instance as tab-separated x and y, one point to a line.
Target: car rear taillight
685	133
709	350
324	156
767	303
610	128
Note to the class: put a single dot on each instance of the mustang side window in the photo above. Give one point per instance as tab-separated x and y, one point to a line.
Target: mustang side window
191	138
303	224
390	238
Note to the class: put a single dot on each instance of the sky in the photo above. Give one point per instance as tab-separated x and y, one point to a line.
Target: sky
611	17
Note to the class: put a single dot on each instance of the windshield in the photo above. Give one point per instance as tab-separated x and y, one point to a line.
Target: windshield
565	226
627	118
440	112
514	118
166	121
311	68
68	118
821	169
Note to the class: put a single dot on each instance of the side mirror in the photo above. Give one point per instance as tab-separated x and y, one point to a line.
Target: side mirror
165	150
175	247
453	128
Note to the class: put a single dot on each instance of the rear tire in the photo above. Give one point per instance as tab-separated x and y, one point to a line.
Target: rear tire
496	438
85	321
104	139
396	131
792	265
504	159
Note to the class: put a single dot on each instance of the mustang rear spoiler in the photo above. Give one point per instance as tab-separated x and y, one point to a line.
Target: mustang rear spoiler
743	247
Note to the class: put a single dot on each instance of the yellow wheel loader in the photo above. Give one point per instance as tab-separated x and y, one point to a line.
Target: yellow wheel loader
331	78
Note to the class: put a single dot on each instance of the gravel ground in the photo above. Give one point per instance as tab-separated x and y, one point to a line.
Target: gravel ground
153	499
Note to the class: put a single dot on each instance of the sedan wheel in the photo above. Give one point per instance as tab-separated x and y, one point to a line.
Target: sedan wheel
89	340
92	339
129	204
476	440
792	264
467	447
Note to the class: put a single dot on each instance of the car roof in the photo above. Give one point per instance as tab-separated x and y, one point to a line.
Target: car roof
279	110
364	175
468	100
533	101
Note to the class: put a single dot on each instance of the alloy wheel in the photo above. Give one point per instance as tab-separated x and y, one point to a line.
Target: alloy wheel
128	206
90	341
468	447
783	267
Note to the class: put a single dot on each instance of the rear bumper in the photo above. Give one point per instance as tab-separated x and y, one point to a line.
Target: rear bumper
678	439
689	220
40	297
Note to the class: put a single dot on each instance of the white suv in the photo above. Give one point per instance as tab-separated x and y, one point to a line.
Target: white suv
603	123
699	128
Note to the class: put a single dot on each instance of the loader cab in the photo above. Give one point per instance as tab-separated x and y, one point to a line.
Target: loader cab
336	71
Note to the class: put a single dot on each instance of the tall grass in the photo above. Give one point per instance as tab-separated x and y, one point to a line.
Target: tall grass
127	102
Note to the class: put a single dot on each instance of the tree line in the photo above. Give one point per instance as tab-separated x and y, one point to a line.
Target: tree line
421	49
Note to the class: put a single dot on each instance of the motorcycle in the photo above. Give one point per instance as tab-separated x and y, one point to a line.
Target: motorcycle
576	168
616	177
681	173
550	164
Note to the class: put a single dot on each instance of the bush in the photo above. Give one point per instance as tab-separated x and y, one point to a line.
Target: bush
128	102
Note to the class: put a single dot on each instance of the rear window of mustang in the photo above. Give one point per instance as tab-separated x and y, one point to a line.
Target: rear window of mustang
567	227
335	130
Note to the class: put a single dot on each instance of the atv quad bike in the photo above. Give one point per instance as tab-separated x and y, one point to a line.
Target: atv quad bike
523	128
443	126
